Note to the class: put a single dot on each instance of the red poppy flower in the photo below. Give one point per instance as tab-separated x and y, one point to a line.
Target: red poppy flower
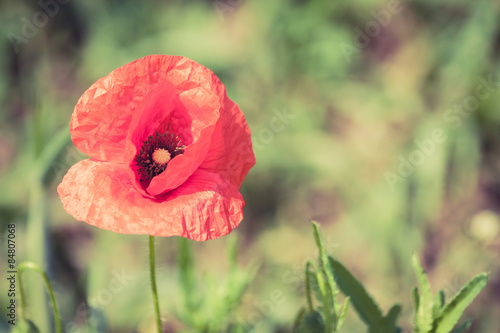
168	152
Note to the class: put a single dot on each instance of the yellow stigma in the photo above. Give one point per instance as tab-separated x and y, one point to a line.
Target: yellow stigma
161	156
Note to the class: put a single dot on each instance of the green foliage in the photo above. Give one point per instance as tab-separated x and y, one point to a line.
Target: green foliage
434	316
325	281
207	303
366	307
439	302
321	281
363	303
423	313
451	312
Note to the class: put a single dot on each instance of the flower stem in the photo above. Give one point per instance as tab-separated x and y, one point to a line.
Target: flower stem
30	265
152	274
323	290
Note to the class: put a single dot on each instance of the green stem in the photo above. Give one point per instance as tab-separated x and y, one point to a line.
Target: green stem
328	272
324	294
152	274
308	288
30	265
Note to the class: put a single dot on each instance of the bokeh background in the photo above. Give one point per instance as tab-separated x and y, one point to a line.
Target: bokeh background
343	99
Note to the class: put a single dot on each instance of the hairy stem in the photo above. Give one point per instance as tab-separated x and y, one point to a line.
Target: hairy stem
32	266
152	274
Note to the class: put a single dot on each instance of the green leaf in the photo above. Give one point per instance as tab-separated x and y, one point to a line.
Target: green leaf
343	313
311	322
462	327
331	287
325	293
439	302
416	298
315	287
325	264
392	318
366	308
423	315
452	312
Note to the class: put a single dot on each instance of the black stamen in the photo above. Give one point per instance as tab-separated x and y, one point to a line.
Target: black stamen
146	166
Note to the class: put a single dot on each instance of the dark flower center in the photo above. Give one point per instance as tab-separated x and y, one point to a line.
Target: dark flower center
155	154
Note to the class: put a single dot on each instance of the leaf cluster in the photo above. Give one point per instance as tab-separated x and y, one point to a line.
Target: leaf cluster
329	277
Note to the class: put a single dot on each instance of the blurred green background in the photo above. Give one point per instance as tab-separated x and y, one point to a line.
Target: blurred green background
358	88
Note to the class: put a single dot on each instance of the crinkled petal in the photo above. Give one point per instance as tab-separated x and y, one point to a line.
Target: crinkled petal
231	154
103	114
205	207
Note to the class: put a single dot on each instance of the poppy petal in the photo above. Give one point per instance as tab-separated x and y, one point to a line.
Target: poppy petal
202	109
231	154
103	114
205	207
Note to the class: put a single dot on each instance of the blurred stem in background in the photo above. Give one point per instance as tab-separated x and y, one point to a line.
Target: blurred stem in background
36	251
37	225
209	304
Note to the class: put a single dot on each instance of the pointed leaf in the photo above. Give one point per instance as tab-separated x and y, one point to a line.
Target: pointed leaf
452	312
416	298
325	293
317	239
325	263
392	318
423	316
320	298
343	313
366	308
439	301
